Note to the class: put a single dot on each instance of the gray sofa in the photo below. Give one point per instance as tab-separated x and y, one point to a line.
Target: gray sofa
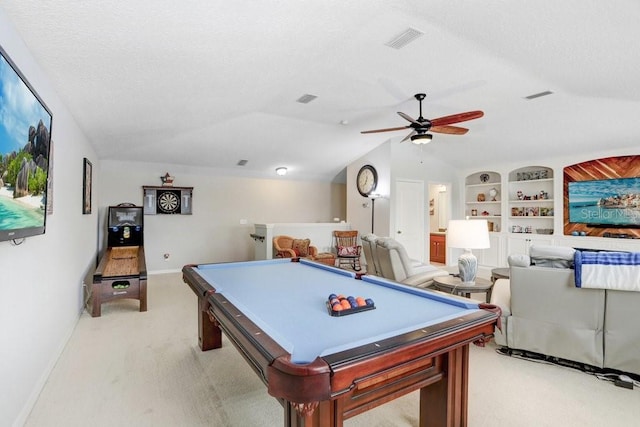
544	312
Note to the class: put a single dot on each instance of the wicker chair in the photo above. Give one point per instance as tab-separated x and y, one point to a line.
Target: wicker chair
289	247
347	248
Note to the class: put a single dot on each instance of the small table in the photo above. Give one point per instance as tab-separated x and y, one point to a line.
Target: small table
454	285
499	273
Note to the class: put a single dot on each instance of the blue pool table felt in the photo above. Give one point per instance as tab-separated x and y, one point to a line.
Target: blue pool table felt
288	299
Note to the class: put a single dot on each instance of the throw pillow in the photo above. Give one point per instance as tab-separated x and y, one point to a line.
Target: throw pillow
301	246
347	250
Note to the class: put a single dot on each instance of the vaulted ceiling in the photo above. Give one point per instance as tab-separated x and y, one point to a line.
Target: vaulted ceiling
208	83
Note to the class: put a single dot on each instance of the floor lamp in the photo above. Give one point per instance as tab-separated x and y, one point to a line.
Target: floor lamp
468	234
373	197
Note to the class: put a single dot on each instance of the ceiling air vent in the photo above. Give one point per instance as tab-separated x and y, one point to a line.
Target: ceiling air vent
305	99
404	38
539	95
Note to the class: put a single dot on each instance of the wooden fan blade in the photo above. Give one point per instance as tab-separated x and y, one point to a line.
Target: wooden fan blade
456	118
451	130
409	118
409	136
385	130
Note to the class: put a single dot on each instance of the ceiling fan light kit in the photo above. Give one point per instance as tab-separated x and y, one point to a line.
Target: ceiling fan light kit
420	126
422	138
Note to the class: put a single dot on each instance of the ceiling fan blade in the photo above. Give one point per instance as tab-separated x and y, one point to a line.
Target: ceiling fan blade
409	118
451	130
456	118
385	130
409	136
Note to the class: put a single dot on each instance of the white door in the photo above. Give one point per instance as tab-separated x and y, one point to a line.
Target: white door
409	209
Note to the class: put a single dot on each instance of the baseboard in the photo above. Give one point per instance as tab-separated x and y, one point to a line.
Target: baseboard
164	271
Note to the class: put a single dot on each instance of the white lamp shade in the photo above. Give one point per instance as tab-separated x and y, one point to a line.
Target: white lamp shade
468	234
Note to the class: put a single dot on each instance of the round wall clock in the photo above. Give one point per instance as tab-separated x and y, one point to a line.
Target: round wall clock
484	177
367	180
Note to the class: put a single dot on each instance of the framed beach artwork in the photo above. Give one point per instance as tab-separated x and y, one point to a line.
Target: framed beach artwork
86	186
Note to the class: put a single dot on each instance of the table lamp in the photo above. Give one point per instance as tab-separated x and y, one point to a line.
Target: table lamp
468	234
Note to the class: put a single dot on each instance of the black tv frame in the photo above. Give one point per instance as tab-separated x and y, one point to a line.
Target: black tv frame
14	234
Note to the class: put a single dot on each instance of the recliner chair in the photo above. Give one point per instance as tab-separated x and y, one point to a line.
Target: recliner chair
369	249
395	264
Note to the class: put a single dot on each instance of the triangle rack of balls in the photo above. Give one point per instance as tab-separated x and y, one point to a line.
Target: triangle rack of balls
340	305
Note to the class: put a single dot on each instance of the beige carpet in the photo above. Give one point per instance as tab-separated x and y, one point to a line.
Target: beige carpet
128	368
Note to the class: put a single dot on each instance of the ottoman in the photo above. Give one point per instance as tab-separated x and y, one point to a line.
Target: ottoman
326	258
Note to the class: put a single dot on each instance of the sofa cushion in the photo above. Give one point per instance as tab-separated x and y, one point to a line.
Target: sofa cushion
301	246
551	256
519	260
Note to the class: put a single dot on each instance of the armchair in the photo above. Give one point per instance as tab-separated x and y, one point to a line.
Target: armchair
289	247
370	256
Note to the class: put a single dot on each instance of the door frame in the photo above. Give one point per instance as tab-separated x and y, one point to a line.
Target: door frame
397	214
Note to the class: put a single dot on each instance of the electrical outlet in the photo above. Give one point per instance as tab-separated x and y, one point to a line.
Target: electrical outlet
166	257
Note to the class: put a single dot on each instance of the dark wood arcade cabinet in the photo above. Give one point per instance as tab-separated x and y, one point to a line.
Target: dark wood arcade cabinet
122	271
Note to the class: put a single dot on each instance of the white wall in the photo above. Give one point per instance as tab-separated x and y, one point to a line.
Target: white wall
214	233
358	207
41	279
395	161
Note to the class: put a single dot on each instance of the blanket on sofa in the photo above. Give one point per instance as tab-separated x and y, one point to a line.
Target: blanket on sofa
607	270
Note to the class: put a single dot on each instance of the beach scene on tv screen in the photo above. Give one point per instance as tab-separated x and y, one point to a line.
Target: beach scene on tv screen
24	150
614	202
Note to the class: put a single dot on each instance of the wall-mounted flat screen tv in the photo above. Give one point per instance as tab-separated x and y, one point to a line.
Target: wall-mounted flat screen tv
25	129
605	202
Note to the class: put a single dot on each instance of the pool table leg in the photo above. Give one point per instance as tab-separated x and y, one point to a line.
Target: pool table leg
327	413
209	333
445	403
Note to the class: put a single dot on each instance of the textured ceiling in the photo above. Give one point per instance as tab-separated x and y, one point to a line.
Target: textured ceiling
207	83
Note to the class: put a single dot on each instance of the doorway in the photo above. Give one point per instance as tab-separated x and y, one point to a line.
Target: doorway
409	223
439	214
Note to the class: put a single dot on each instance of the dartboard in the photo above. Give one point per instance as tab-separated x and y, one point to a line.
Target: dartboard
168	202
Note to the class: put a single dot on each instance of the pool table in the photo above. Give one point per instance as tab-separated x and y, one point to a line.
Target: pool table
323	368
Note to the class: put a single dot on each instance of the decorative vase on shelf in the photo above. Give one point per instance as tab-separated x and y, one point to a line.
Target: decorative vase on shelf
493	193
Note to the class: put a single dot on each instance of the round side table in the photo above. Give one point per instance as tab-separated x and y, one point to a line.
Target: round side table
454	285
499	273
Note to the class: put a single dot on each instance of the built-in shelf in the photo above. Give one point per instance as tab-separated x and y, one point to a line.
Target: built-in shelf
530	194
483	198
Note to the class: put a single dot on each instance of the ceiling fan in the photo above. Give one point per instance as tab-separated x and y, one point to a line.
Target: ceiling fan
421	125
